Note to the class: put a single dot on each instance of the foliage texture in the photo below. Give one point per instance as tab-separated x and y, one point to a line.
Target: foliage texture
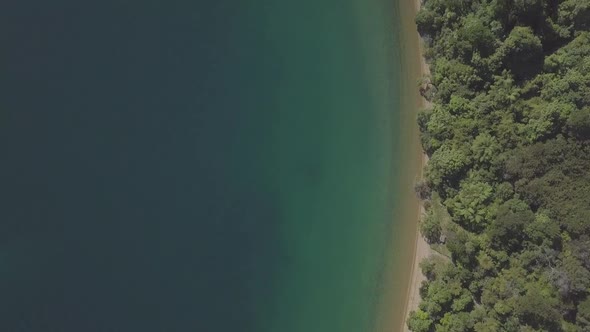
508	137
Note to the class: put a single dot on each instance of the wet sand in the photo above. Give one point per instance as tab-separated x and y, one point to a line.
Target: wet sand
416	68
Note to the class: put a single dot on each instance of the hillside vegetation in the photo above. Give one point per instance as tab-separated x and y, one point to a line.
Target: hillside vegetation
508	137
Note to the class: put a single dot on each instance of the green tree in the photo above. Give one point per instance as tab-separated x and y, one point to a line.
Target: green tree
463	247
452	77
485	149
573	87
445	165
513	12
571	278
454	322
485	261
463	302
429	22
542	230
478	34
509	140
545	120
439	127
431	267
469	207
419	321
570	56
575	14
578	123
539	306
522	52
583	317
440	295
506	232
487	325
430	228
500	293
529	12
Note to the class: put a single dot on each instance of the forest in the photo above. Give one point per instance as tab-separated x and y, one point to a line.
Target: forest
507	186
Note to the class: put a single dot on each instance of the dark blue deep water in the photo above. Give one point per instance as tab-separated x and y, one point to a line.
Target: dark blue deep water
194	165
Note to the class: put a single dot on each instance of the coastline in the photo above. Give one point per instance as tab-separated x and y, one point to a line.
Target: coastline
420	249
404	278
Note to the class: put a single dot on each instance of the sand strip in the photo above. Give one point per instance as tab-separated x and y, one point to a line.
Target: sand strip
421	248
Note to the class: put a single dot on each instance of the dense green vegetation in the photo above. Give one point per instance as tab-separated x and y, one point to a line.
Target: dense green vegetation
508	137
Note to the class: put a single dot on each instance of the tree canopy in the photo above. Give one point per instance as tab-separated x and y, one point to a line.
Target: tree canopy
508	138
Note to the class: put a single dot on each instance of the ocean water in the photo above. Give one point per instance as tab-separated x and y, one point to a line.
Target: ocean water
197	165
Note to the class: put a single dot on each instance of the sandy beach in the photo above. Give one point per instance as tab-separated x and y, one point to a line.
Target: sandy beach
403	275
421	249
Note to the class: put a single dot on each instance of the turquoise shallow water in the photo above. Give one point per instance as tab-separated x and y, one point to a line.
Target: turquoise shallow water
197	166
